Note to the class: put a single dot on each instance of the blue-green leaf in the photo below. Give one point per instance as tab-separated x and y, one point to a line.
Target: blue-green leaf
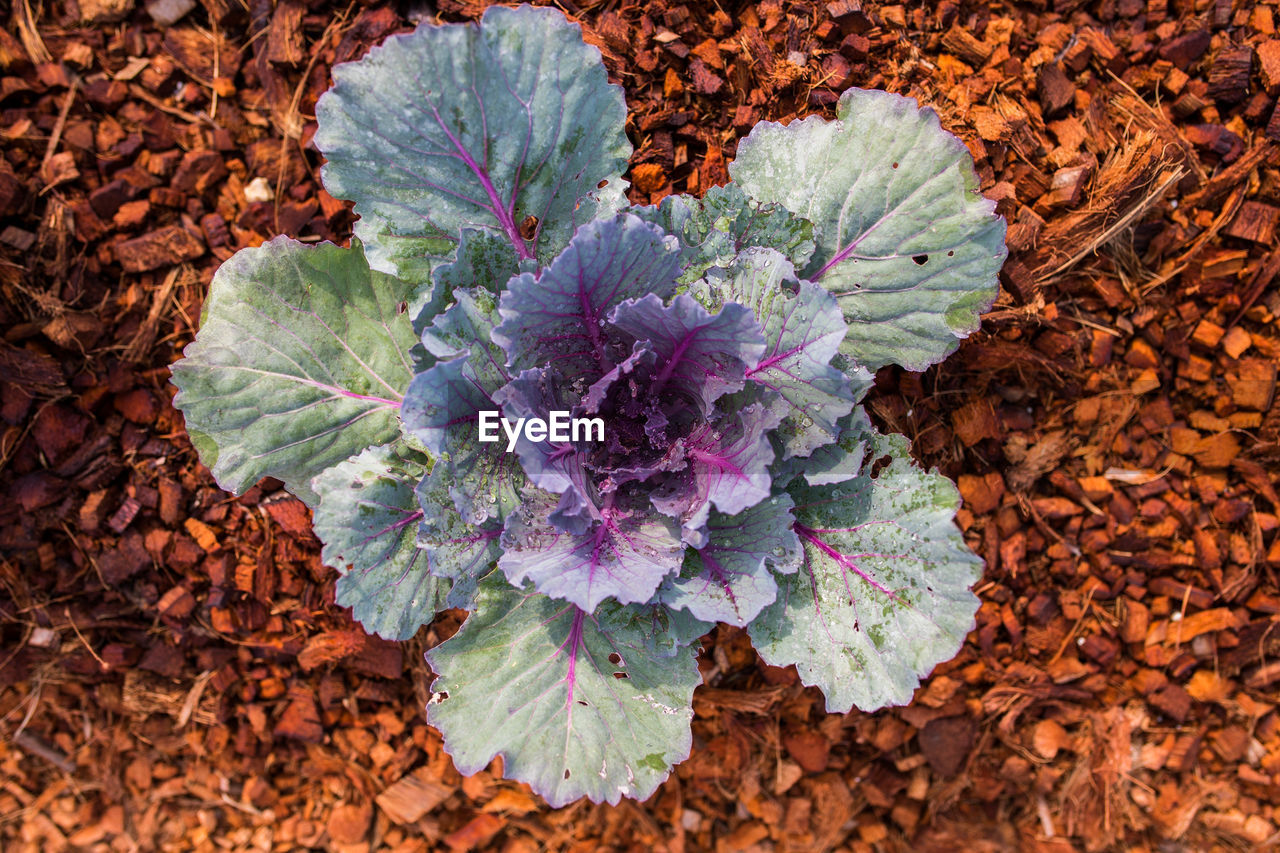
509	125
301	362
905	241
458	549
577	704
836	462
713	229
730	579
443	403
803	331
484	260
670	630
882	594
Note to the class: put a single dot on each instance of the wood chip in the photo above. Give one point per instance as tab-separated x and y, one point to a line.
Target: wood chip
413	796
202	533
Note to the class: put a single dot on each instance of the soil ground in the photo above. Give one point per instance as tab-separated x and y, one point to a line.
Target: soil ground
174	674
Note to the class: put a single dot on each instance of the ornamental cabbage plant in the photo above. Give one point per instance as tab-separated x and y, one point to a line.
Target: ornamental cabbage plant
713	349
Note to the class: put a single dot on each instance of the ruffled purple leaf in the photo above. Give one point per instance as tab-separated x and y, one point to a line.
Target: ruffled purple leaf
731	578
623	556
727	466
553	466
556	319
637	367
701	355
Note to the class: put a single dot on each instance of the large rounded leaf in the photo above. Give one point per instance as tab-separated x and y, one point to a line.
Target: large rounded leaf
906	242
882	595
577	703
509	125
301	362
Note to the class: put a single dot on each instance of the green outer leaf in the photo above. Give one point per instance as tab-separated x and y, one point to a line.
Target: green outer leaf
367	517
465	328
484	260
884	184
300	363
413	259
670	629
882	594
713	229
836	462
458	125
530	678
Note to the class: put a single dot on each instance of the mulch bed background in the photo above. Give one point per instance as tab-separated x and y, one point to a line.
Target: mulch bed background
174	673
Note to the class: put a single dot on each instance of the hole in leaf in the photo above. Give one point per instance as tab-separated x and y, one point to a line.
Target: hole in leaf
620	675
879	465
402	307
602	184
951	253
529	227
895	164
566	773
792	287
920	260
615	658
582	703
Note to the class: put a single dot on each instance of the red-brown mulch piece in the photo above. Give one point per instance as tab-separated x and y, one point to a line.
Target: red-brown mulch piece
173	671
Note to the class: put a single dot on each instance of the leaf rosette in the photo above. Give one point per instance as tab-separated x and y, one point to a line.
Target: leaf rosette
722	345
